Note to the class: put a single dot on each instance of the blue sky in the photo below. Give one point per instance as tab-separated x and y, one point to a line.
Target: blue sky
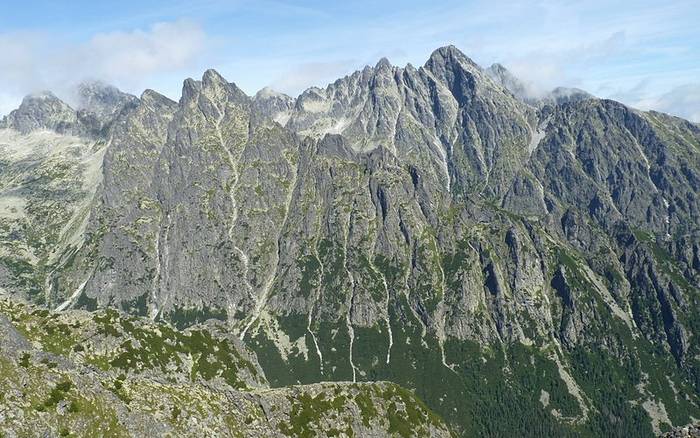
644	53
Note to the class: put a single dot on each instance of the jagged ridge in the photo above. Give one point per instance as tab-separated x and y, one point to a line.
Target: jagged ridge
431	215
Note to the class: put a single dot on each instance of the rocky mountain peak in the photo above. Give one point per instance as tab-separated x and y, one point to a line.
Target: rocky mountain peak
500	73
190	89
449	55
565	94
273	104
39	96
214	86
152	97
462	76
310	99
498	68
503	77
212	78
102	99
270	93
523	91
42	111
383	64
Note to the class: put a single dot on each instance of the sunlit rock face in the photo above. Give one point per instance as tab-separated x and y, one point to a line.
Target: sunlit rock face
522	264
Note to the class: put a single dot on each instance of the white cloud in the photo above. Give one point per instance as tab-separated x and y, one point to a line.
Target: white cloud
683	101
121	56
132	60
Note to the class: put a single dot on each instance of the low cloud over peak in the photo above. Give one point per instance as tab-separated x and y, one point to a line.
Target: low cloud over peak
34	61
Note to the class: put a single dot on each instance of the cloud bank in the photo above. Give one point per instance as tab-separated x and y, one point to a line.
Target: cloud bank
131	60
683	101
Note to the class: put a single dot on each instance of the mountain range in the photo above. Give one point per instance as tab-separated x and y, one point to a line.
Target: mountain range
522	265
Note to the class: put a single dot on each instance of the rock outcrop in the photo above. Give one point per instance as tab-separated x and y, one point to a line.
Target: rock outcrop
109	374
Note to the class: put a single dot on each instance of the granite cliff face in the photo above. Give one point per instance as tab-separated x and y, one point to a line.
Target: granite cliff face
528	267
